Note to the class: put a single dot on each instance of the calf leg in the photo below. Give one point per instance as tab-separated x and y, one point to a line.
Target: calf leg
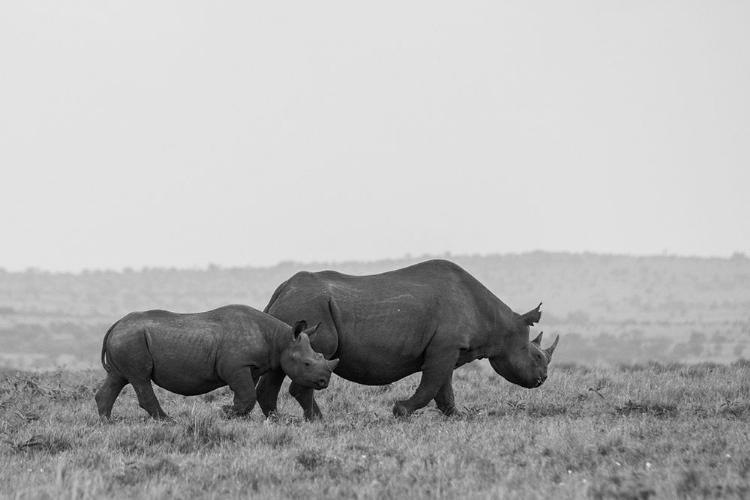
147	400
268	389
306	399
107	394
242	384
444	397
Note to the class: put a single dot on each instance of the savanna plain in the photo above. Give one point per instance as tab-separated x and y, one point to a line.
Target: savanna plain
635	432
648	394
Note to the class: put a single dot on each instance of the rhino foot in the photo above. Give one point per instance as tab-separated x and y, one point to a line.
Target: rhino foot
230	412
399	410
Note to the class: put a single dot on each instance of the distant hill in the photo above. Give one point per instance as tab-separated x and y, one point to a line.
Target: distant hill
608	308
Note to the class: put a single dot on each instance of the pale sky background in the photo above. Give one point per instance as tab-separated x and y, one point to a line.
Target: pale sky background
179	134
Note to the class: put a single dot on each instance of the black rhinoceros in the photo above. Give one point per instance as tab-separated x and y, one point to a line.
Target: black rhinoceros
192	354
431	317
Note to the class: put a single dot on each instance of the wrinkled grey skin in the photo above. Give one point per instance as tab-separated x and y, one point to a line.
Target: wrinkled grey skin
192	354
431	317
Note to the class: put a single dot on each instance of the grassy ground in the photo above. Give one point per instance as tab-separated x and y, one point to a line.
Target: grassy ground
652	431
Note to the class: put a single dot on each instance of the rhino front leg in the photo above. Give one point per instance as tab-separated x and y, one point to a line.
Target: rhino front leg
107	394
147	400
306	399
436	370
242	384
268	389
444	397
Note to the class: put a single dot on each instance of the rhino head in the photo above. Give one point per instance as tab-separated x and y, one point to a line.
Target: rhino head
521	361
301	363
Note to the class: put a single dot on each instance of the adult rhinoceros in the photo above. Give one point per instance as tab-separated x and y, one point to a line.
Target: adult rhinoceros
431	317
192	354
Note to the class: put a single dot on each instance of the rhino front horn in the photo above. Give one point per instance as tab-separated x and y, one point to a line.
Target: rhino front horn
332	364
551	348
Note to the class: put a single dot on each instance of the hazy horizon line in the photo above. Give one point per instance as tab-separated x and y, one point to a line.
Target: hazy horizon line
212	266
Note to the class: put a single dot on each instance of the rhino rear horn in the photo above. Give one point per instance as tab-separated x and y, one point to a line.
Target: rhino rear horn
538	340
551	348
332	364
533	316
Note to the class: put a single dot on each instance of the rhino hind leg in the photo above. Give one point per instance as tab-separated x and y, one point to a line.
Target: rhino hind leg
107	394
306	399
147	400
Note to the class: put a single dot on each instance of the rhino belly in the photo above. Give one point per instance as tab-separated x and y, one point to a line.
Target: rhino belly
185	383
373	370
186	373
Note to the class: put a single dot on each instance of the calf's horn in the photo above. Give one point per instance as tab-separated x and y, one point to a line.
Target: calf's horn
332	364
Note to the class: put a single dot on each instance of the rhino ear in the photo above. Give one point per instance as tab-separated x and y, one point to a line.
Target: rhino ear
533	316
298	328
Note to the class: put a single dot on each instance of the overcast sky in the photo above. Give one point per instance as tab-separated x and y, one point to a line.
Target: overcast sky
185	133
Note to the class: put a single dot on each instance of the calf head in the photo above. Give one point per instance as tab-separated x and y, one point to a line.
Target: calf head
521	361
301	363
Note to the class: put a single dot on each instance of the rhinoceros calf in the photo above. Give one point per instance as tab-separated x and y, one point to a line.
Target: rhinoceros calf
192	354
431	317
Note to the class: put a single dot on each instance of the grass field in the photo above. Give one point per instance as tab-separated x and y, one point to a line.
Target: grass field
650	431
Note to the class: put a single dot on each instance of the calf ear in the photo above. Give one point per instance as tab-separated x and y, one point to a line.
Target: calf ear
312	331
298	328
533	316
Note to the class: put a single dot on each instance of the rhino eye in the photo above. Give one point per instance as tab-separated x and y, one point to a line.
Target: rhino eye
307	363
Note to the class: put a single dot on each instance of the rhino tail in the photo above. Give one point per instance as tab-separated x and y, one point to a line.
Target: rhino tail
104	347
